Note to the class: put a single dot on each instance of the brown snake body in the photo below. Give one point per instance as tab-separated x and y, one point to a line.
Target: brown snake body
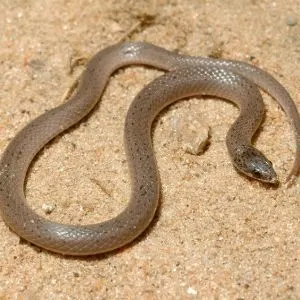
188	76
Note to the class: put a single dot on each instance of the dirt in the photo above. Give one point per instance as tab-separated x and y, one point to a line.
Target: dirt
217	235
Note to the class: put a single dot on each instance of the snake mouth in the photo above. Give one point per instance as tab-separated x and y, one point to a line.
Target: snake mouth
273	181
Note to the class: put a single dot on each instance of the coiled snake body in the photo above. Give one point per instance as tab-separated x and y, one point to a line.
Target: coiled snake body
187	76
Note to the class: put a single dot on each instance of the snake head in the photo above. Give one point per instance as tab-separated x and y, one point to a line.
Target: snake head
254	164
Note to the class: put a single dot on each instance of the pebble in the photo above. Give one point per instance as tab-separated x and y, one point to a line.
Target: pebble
291	21
192	132
48	208
192	291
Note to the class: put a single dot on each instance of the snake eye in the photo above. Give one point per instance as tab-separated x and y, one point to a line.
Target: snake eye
257	174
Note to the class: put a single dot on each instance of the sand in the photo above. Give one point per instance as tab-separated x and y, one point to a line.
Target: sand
217	235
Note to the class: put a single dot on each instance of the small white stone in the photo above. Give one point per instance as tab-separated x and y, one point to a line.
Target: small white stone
191	291
48	208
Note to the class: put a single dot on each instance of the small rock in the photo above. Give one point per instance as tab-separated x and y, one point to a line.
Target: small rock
48	208
191	291
192	132
291	21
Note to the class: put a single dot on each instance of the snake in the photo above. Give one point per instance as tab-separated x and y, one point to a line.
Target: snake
185	76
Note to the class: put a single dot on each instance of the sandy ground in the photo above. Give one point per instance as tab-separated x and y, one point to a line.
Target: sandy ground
217	235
